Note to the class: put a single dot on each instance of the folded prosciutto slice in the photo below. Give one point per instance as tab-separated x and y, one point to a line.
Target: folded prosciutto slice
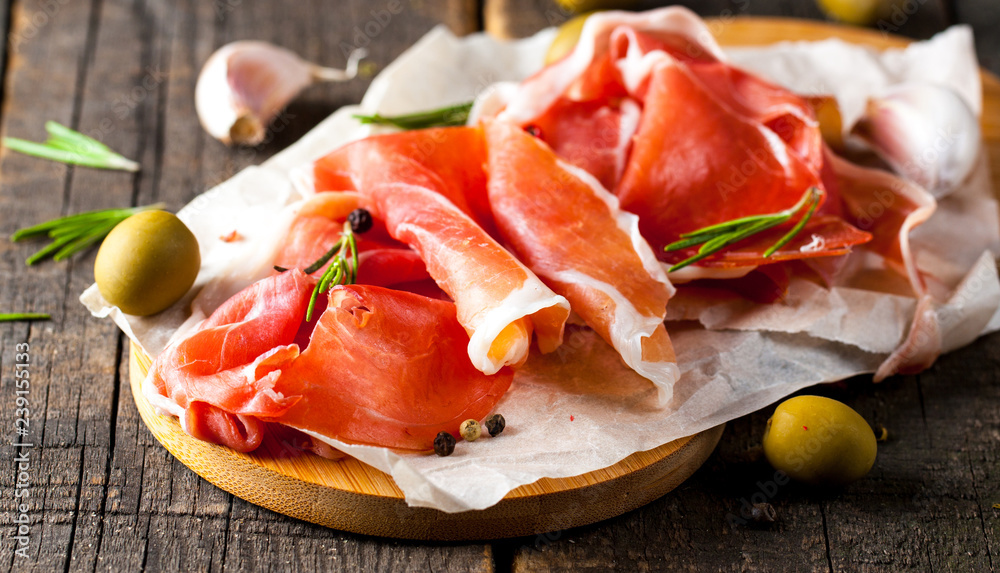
382	367
221	379
388	368
569	230
430	190
647	104
382	261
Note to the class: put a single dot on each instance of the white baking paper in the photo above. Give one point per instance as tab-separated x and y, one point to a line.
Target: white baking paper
579	409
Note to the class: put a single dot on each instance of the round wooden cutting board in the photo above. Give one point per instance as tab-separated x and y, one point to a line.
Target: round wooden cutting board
353	496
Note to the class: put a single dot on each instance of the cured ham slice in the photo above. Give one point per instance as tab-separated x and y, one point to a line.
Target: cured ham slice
892	207
888	206
382	367
429	188
387	368
382	261
222	377
712	142
569	230
697	164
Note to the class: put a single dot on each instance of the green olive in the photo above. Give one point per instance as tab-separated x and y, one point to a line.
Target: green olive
566	38
147	263
819	441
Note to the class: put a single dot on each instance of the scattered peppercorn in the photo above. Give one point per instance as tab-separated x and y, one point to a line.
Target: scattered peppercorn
360	220
470	430
763	513
495	424
444	444
534	130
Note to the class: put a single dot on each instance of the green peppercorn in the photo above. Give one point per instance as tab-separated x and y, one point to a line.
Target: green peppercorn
470	430
444	444
495	424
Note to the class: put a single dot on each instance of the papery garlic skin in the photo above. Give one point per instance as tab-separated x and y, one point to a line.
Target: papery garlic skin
244	85
927	133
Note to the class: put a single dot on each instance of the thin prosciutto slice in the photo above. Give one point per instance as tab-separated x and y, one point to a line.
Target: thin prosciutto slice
387	368
382	261
222	377
429	188
892	207
711	142
696	164
569	230
382	367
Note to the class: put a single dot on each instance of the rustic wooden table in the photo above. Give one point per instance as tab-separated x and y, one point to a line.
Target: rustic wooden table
104	495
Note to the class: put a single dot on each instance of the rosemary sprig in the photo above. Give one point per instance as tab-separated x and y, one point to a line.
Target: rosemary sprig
24	316
715	238
67	146
340	270
74	233
443	117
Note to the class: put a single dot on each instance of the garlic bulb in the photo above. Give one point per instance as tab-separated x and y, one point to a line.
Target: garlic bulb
244	85
927	133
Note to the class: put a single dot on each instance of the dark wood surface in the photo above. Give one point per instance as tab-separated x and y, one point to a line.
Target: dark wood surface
104	495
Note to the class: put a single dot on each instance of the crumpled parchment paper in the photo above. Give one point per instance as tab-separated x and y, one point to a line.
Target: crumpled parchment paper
579	409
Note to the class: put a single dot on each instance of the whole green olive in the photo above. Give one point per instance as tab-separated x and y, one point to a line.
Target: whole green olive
147	263
819	441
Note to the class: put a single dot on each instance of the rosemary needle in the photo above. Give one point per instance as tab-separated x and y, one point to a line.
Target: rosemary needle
714	238
74	233
339	271
68	146
443	117
24	316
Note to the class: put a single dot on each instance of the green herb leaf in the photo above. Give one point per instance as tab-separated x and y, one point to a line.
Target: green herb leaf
443	117
67	146
74	233
24	317
339	271
714	238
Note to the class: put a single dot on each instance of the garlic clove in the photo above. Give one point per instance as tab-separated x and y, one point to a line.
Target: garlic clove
926	133
244	85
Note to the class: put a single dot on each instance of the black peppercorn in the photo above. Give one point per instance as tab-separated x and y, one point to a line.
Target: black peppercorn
763	513
444	444
495	424
360	220
534	130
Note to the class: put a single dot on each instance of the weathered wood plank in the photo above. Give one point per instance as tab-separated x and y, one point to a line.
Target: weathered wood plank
42	83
